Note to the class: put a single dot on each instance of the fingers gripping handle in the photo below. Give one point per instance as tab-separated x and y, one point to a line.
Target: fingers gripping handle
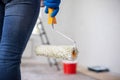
51	20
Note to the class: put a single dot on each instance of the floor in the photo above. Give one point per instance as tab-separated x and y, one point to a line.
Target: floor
36	71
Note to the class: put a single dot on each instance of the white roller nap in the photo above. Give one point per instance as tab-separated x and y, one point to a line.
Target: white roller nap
63	52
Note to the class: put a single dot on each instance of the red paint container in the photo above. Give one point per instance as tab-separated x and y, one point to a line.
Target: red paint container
69	67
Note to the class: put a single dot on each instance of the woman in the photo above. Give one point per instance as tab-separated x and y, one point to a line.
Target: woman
17	20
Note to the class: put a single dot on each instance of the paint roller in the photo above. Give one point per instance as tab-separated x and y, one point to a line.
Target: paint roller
66	52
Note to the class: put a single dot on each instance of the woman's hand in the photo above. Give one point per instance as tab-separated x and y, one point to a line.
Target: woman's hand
52	4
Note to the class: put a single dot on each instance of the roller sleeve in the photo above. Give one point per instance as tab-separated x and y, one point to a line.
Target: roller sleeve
63	52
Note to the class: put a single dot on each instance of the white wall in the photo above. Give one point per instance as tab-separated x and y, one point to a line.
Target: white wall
95	25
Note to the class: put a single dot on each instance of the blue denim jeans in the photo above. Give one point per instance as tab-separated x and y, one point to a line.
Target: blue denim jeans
17	20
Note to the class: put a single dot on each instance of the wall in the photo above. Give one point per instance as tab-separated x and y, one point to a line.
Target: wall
96	28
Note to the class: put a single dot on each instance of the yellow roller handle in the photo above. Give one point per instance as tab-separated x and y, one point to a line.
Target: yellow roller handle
51	20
